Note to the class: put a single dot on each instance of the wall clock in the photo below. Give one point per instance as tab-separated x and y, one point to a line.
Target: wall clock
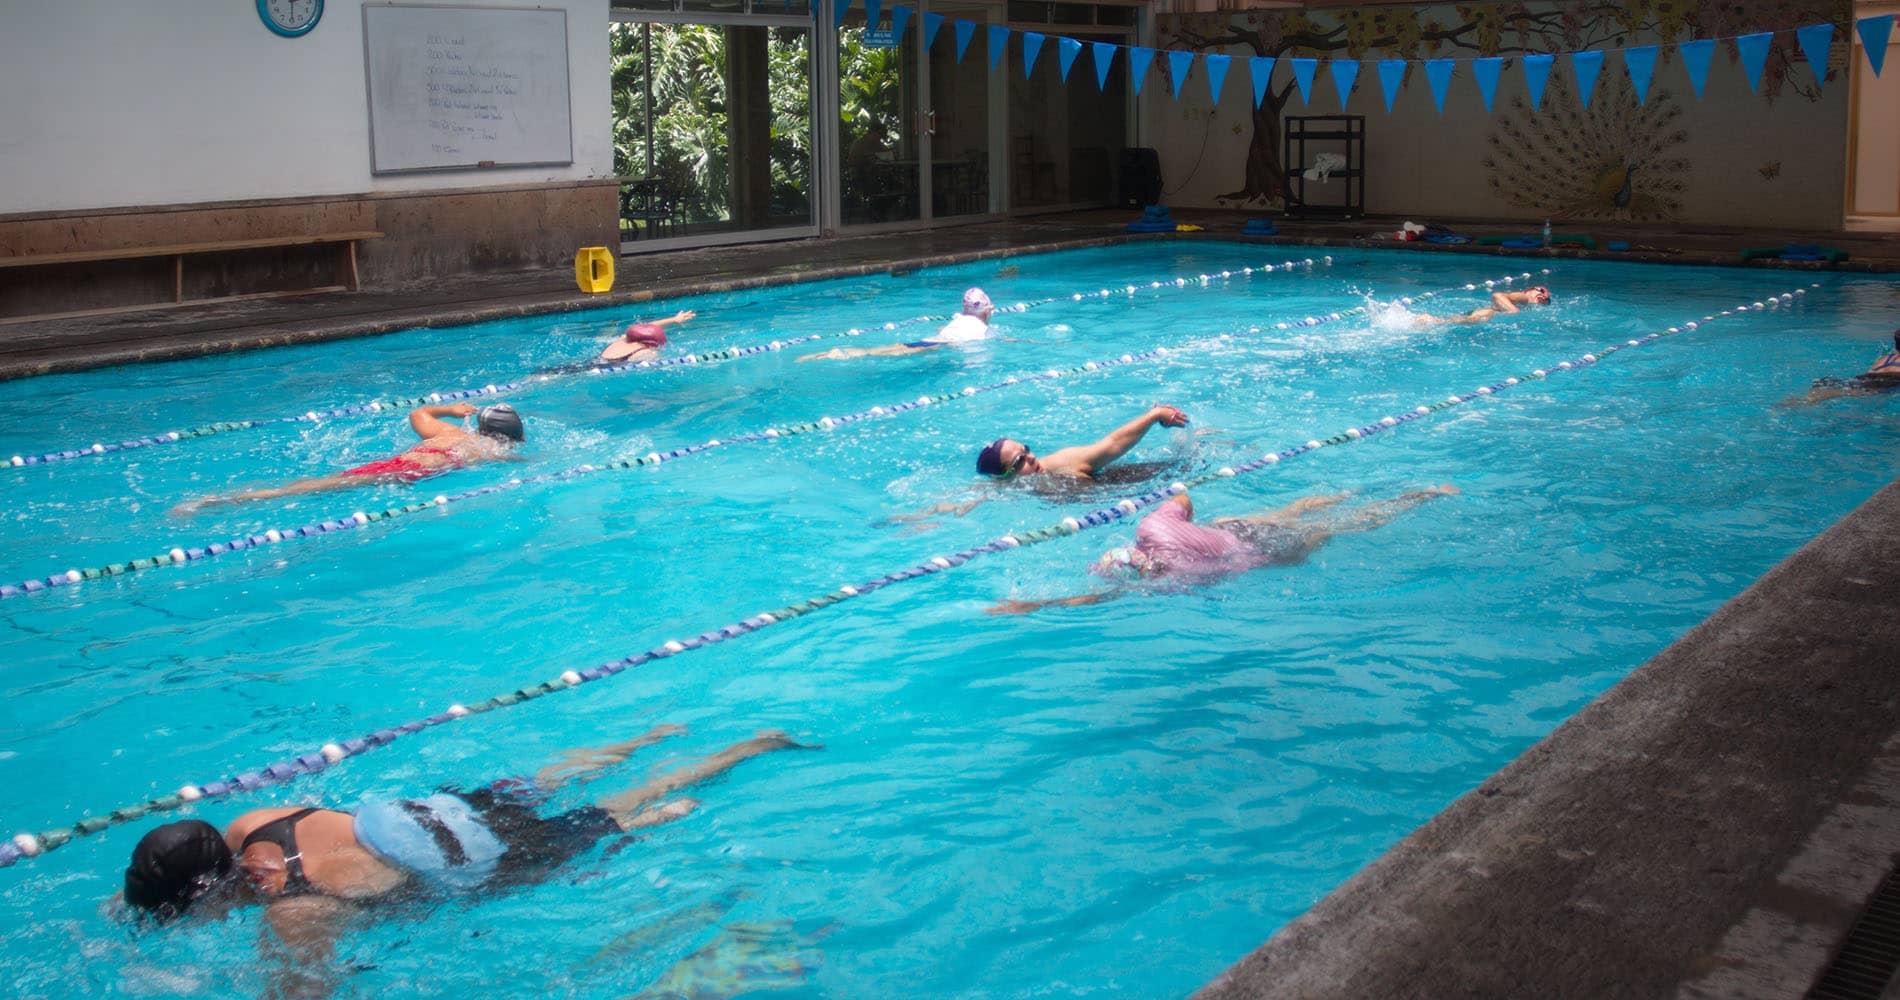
290	18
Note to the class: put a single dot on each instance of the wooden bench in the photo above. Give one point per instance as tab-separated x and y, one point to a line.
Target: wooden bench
346	277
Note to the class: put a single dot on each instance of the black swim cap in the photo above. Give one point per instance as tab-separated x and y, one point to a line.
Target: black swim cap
175	864
500	420
1896	340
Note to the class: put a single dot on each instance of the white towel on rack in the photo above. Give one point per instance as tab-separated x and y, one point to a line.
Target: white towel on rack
1323	166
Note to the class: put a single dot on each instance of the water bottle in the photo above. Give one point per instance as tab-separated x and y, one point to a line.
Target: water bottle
1546	234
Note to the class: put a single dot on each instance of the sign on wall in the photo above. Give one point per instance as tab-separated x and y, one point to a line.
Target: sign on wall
465	87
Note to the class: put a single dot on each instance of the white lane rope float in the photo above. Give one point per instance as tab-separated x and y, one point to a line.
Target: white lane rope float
31	845
181	554
703	357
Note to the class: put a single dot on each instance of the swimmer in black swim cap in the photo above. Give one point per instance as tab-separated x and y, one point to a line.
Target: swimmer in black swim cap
444	447
177	865
1883	376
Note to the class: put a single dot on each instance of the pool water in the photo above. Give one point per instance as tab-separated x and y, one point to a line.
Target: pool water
1005	805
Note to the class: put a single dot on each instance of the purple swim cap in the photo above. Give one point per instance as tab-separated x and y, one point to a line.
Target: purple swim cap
989	461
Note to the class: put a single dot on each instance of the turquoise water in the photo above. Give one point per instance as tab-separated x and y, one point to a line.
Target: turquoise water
1005	805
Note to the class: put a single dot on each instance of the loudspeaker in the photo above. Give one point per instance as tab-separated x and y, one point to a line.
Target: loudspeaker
1140	177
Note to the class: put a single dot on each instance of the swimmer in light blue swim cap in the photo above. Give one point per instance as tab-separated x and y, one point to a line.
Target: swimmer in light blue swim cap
304	865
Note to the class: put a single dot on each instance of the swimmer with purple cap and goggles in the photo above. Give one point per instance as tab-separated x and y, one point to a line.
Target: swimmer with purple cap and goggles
966	327
1061	471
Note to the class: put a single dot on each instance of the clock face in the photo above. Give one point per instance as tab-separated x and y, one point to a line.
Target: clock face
290	18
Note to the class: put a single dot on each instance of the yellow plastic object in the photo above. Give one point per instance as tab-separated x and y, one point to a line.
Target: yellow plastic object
594	269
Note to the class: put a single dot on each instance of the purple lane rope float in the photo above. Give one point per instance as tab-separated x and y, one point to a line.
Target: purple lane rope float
702	357
30	845
182	554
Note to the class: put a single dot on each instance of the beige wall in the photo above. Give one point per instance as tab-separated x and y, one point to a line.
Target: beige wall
1775	159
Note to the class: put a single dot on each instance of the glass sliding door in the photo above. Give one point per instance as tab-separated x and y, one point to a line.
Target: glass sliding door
1065	138
880	146
958	120
712	130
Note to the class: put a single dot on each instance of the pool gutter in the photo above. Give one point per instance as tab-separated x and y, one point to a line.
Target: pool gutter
1708	827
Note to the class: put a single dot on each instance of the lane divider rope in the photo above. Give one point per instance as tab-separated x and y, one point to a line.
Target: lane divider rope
181	554
702	357
29	845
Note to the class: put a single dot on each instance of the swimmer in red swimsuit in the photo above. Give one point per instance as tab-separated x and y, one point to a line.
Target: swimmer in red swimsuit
444	447
643	340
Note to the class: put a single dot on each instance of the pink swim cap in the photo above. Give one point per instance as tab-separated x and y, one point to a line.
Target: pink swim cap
975	303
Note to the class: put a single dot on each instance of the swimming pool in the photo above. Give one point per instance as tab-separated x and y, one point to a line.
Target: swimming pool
1006	804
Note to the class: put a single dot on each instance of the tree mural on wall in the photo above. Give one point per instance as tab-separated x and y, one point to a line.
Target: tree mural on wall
1502	29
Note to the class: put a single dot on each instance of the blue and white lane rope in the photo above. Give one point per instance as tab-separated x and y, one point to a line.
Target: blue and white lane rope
29	845
179	555
702	357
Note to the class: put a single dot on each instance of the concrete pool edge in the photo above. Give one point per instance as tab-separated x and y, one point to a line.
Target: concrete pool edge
1709	826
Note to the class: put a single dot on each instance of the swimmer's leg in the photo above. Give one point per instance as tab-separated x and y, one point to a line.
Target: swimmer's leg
320	484
626	806
585	764
1373	515
1291	512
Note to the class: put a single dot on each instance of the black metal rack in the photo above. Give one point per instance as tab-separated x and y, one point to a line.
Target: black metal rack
1330	132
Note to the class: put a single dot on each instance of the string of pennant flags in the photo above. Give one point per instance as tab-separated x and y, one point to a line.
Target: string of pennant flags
1639	61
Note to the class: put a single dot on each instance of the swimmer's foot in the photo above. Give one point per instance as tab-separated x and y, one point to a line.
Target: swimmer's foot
767	740
1444	490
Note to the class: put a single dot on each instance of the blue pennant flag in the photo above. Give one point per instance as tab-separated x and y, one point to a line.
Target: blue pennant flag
873	13
1695	59
1104	58
965	30
1487	71
1586	65
1391	75
900	19
999	40
1032	47
1178	65
1536	75
1138	60
1874	32
1438	74
838	13
1754	52
1345	71
1261	67
1641	63
1303	70
1815	40
932	22
1217	75
1066	50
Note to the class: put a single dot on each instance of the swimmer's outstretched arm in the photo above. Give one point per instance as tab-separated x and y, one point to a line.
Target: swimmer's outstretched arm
1501	303
1026	607
679	317
1089	458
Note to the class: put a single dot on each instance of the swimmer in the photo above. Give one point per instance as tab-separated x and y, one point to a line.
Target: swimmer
444	447
1061	471
1169	545
1882	376
966	327
311	869
1502	303
642	340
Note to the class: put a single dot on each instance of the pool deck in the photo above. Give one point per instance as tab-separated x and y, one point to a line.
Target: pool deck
1710	827
40	347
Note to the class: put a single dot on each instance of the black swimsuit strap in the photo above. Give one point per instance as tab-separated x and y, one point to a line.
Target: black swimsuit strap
282	831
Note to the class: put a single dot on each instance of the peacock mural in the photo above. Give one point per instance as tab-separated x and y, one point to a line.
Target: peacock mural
1616	160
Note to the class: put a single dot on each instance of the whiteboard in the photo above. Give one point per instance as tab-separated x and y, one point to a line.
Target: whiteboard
464	87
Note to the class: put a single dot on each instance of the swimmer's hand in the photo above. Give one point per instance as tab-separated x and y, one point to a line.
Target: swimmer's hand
1168	416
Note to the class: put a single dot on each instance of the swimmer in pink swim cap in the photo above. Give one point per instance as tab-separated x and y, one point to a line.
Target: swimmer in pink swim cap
966	327
642	340
1168	544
